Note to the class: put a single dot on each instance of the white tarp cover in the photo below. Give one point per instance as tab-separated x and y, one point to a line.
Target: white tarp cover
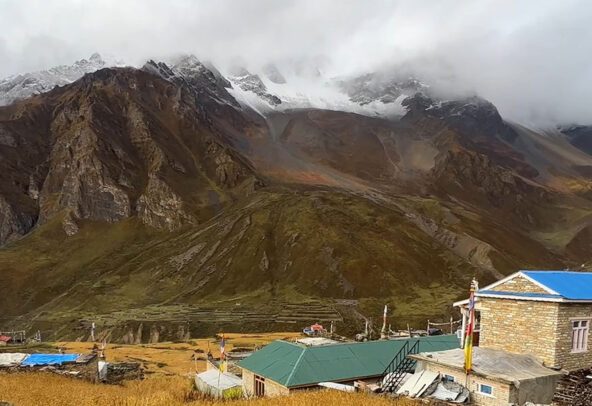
418	383
444	393
218	380
314	341
11	358
102	366
338	386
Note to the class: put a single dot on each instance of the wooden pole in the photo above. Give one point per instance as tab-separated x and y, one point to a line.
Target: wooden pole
463	327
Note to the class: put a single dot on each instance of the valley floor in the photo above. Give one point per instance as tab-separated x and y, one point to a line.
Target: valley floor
47	389
169	369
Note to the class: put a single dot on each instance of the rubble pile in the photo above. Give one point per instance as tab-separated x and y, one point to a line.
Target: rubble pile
574	389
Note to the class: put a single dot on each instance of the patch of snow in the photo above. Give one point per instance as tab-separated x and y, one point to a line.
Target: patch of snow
301	92
251	100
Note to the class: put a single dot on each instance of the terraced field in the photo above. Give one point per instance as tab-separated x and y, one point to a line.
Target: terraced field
184	321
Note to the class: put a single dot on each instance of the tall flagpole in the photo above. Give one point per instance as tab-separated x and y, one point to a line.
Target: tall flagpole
222	358
468	347
383	332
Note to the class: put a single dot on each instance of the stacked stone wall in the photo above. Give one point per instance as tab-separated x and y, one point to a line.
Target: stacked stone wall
520	326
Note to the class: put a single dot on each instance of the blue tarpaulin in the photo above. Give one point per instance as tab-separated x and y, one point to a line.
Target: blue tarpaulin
49	359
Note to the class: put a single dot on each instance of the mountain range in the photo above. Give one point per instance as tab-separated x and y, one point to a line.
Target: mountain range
174	199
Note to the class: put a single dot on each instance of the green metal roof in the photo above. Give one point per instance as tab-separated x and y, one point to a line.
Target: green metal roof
293	364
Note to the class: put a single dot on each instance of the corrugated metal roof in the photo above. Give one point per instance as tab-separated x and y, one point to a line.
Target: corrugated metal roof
293	365
569	285
493	363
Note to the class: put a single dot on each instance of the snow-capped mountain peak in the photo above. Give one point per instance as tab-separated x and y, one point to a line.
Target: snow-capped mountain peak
273	87
21	86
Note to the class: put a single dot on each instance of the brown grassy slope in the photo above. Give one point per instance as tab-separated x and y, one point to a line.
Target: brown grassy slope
317	243
274	247
125	261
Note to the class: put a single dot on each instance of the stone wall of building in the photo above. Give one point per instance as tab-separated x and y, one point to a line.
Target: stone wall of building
519	284
248	383
567	359
501	391
88	370
272	388
520	326
543	329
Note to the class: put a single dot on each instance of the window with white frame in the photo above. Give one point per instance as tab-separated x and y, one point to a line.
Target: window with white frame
485	389
579	335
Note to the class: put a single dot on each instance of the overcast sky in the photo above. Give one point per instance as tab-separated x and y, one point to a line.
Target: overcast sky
533	59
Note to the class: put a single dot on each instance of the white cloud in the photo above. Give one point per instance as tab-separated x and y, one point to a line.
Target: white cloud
533	59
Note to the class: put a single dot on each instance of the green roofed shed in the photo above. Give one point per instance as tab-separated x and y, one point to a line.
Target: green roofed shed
295	365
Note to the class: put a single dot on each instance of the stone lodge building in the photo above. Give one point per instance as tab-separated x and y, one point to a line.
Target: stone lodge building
546	314
533	327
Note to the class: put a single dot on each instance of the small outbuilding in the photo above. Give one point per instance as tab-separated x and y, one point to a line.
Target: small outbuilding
499	378
219	384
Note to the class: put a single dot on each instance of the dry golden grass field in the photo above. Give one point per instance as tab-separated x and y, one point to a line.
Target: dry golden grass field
177	358
169	368
49	389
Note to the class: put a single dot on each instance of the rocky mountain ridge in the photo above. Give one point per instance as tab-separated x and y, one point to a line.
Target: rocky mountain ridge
160	188
110	146
579	136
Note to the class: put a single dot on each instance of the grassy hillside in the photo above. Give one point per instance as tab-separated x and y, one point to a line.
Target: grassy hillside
277	259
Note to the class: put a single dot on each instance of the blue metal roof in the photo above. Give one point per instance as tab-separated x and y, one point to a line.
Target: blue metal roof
569	285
